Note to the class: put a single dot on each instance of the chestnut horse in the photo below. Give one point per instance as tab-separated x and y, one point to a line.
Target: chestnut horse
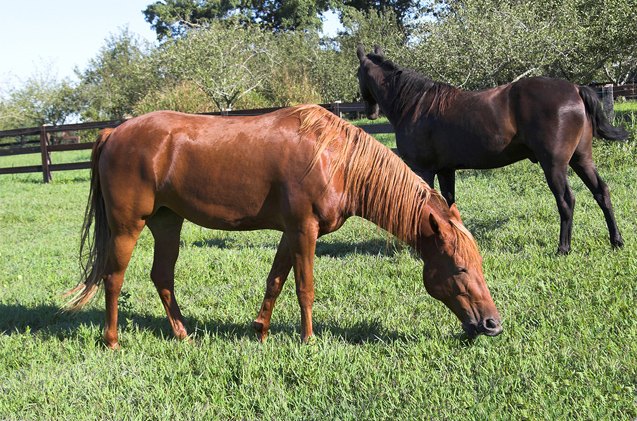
440	128
301	170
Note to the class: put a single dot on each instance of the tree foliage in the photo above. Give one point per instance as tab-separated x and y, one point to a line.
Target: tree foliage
225	61
481	43
118	77
42	99
174	18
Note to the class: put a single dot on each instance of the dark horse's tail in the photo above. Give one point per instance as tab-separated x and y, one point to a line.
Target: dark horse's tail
601	127
93	248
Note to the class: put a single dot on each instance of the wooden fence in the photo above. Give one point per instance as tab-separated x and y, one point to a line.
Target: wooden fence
45	146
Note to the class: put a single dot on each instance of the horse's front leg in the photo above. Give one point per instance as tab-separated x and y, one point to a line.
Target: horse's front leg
447	181
277	277
302	246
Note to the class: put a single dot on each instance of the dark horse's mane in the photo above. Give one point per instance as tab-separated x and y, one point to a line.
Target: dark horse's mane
412	89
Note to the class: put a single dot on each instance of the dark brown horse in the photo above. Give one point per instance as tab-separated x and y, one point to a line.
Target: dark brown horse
440	128
301	170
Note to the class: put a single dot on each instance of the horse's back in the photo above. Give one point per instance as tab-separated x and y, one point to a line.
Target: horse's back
219	172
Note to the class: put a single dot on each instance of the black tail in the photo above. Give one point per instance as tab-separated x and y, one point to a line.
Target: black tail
601	127
93	248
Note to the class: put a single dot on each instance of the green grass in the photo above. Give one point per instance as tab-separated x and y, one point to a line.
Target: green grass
383	349
625	106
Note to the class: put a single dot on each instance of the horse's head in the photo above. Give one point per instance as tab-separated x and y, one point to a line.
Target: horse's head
364	79
453	274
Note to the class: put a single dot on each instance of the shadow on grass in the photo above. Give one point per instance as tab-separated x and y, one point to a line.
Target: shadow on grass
374	247
50	322
479	227
221	243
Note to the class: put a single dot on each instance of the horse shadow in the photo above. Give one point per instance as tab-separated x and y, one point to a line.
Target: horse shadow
336	249
50	322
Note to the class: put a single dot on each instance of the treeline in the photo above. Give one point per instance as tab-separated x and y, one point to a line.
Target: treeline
249	53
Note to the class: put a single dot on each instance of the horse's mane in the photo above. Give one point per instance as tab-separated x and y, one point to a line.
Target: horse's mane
412	88
379	186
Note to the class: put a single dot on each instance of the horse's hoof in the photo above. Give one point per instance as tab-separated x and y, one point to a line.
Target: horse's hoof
617	243
260	330
182	335
112	345
561	251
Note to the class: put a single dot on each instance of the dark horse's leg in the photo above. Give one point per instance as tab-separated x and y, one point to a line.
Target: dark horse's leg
555	174
165	226
276	279
447	181
427	175
583	166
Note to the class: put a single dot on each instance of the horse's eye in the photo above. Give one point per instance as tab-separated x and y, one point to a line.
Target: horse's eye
462	270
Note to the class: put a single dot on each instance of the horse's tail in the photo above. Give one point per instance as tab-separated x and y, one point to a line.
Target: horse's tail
601	127
93	248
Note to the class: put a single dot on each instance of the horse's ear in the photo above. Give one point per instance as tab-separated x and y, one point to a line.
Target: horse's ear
379	51
435	225
360	52
455	213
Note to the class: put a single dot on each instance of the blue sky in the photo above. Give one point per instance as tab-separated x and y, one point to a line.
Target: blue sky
52	37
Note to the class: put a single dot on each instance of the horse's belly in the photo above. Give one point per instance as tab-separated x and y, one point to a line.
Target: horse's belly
229	205
227	217
482	154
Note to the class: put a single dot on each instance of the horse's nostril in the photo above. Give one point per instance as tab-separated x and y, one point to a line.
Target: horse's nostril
490	324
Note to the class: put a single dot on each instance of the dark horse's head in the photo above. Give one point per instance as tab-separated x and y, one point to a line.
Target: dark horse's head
364	73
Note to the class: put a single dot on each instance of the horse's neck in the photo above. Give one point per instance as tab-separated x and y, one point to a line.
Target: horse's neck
386	99
393	101
410	94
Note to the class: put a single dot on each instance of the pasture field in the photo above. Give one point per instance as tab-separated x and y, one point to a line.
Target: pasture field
383	348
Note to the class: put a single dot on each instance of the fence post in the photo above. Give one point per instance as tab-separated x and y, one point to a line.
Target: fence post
46	157
607	100
336	108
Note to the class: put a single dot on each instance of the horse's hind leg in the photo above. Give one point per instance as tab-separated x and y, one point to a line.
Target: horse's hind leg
121	246
584	167
555	174
276	279
165	225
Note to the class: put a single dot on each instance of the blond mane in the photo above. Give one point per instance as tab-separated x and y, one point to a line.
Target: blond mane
379	186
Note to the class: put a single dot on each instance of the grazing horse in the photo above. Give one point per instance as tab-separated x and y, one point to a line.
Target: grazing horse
301	170
440	128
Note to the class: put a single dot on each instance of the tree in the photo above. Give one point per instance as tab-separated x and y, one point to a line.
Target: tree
404	11
42	99
483	43
118	77
335	68
225	62
174	18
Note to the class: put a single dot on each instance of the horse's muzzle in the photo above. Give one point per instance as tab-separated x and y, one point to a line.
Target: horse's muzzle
488	327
